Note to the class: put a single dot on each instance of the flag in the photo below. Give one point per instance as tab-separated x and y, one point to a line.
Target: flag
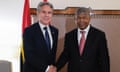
26	16
26	21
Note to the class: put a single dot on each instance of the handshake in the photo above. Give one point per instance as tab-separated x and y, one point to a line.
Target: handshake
52	69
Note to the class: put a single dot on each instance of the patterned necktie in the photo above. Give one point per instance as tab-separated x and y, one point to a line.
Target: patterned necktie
47	38
82	42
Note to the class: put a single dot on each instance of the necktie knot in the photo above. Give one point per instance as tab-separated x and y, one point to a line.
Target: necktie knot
45	28
82	32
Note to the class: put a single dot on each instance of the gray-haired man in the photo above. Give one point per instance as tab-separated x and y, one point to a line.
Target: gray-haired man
85	47
40	41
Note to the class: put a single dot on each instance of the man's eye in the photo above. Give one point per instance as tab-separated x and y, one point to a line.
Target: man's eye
43	11
49	12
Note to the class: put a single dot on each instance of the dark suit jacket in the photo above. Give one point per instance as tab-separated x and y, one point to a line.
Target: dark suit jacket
37	56
95	55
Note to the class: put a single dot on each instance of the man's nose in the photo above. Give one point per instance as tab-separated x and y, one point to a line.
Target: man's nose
46	14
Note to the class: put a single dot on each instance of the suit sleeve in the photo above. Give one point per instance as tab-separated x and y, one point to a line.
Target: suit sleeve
104	64
31	56
64	57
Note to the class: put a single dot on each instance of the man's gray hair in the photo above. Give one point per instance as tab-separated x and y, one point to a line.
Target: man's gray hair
42	4
84	10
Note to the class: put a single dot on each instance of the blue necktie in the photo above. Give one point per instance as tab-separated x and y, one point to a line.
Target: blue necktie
47	38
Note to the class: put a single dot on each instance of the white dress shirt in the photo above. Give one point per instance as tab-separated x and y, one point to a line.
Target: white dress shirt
79	34
42	26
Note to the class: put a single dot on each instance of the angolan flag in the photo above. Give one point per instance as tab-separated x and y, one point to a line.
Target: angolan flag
26	21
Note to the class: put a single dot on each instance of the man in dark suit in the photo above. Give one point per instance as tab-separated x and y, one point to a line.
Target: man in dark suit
40	41
85	47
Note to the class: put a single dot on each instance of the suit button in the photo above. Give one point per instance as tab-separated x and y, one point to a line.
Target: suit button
81	60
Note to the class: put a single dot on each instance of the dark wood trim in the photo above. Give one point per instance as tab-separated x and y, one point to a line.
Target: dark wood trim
71	11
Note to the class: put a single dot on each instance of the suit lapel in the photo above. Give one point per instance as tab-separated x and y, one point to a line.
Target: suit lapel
75	42
89	41
53	36
40	37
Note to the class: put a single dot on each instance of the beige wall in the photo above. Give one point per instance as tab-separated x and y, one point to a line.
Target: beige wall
95	4
111	25
108	23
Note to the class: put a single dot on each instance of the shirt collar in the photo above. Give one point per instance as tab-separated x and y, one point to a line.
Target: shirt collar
42	25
